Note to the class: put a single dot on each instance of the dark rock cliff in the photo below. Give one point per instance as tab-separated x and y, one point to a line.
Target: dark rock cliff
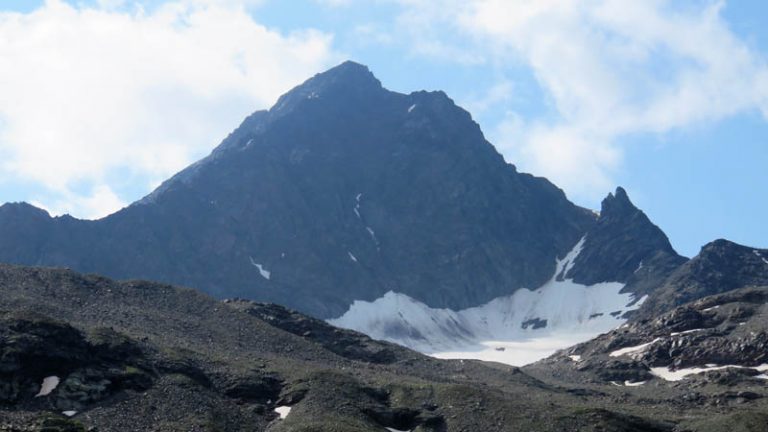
342	191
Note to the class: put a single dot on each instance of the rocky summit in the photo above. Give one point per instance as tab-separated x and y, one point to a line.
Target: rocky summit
624	246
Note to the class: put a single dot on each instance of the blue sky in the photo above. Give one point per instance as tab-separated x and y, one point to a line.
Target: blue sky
102	100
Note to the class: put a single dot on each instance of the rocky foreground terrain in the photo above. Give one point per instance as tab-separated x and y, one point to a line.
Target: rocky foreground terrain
82	352
710	352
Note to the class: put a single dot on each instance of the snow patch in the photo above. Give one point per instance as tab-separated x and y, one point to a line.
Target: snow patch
680	374
634	384
352	257
686	332
760	255
639	267
49	384
357	205
283	411
570	259
396	430
711	308
641	301
633	350
69	413
515	353
262	271
411	107
575	357
571	313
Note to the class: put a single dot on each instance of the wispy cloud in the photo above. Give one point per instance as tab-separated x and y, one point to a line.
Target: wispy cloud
89	91
335	3
499	93
611	68
99	201
372	33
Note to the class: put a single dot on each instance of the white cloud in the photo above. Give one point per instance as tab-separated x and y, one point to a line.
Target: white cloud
110	4
89	91
99	202
611	68
428	27
499	93
334	3
372	33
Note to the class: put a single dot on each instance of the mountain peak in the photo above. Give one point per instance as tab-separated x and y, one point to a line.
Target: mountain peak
720	266
719	244
348	79
617	202
621	194
24	209
348	67
622	239
342	191
722	247
349	73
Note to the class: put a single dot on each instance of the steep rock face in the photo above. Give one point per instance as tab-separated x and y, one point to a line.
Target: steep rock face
342	191
624	246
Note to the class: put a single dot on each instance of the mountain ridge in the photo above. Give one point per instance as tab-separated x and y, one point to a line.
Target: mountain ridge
341	172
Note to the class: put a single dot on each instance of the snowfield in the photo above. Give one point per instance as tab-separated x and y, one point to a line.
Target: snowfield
518	329
49	384
680	374
262	270
633	350
283	411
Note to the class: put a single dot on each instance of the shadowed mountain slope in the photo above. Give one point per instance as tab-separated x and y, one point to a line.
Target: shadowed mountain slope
342	191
